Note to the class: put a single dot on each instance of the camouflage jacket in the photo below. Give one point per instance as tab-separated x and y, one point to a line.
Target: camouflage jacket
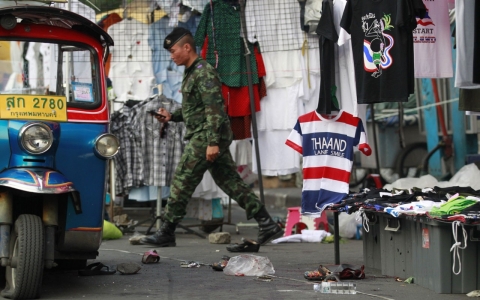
203	110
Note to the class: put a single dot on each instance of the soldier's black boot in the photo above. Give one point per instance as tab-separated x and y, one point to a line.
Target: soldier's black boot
164	237
268	229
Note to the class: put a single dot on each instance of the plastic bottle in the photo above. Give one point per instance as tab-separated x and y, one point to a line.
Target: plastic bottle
336	288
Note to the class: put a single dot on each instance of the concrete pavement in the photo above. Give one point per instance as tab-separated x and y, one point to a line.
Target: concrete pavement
168	280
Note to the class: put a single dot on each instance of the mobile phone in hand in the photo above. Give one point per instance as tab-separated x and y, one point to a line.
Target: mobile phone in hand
155	113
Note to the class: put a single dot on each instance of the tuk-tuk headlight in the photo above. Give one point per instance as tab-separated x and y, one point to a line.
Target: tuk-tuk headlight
107	145
36	138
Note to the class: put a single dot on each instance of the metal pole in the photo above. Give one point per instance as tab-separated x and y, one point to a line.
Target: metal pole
336	234
252	99
159	206
375	139
68	65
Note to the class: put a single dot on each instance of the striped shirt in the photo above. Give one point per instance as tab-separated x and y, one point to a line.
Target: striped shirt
327	146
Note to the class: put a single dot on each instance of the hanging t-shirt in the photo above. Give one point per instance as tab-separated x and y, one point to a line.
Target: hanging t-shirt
432	42
382	42
131	68
327	146
327	37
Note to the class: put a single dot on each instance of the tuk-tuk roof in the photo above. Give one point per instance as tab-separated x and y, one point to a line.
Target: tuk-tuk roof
56	17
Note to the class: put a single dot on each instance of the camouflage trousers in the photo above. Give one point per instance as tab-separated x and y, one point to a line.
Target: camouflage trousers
189	174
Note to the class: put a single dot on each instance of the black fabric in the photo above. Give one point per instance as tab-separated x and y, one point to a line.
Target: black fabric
173	37
476	44
420	9
473	209
131	103
413	9
304	27
462	190
468	100
385	71
327	39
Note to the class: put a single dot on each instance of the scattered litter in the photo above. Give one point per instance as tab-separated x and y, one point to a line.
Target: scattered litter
192	264
249	265
264	278
410	280
219	266
331	239
125	224
96	268
150	257
110	231
475	293
135	239
336	288
247	245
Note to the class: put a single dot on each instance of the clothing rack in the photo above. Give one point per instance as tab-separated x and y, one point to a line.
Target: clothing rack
159	217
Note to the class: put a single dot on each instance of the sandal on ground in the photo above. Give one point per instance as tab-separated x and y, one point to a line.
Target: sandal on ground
96	269
317	275
150	257
314	275
219	266
246	246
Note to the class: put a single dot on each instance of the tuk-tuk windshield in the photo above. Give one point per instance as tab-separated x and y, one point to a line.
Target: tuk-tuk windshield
34	68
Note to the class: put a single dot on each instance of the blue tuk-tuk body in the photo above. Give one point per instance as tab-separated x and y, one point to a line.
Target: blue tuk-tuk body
55	145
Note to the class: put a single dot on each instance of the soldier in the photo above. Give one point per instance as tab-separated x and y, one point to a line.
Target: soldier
209	135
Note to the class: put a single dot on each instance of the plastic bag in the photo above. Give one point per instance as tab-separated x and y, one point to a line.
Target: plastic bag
347	225
110	231
249	265
466	176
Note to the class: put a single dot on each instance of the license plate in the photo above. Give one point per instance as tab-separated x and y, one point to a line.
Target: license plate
33	107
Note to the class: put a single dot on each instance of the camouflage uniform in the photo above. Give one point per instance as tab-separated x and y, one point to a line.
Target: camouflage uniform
207	124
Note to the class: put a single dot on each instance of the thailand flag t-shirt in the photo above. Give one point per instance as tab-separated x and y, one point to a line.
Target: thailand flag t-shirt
327	145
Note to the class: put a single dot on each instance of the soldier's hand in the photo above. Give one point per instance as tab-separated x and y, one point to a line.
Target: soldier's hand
165	115
212	152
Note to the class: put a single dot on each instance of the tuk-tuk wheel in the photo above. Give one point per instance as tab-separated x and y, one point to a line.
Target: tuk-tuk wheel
24	275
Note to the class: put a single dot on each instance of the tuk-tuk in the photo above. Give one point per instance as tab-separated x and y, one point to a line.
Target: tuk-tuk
55	143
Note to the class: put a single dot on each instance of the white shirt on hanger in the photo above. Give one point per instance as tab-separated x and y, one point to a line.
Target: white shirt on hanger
33	57
16	59
131	68
464	19
276	158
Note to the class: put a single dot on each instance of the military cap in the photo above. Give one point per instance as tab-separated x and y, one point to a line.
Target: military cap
174	36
